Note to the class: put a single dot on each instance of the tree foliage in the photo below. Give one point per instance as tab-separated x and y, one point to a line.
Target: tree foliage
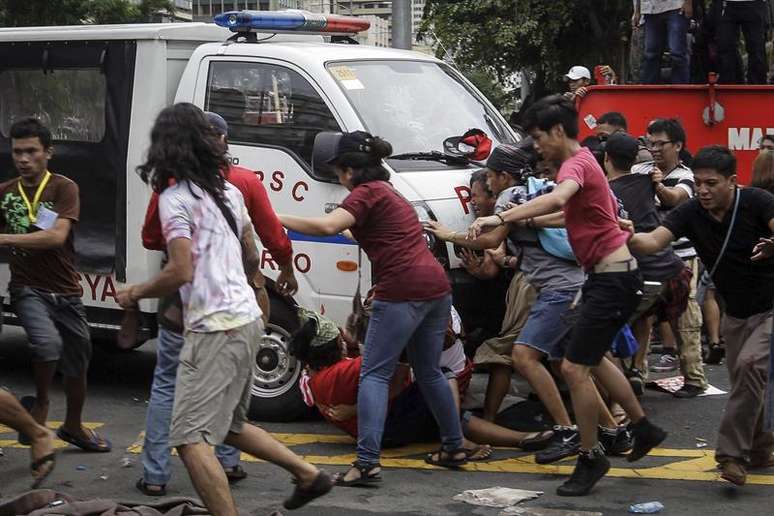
26	13
543	37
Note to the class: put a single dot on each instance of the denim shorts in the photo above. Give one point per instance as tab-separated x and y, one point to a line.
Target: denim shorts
546	330
56	328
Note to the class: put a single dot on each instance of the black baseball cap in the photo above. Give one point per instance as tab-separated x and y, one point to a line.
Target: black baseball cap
329	146
622	145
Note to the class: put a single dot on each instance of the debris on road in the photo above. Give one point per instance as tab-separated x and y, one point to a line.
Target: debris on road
544	511
126	462
646	508
103	477
701	443
496	496
81	467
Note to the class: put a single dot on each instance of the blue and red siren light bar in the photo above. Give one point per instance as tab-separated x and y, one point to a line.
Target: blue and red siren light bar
290	21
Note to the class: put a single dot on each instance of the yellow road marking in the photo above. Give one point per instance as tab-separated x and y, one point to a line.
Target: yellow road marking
686	464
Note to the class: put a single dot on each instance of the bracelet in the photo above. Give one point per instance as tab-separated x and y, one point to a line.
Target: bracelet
502	220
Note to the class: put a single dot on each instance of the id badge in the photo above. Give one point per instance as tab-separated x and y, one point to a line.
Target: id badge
46	218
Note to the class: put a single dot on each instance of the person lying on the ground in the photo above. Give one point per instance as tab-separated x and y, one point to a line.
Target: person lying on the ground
333	387
12	414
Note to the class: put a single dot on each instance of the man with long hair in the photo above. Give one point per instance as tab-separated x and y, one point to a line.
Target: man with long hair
207	230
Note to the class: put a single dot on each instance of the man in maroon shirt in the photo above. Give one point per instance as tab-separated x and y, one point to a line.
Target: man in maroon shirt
156	450
611	292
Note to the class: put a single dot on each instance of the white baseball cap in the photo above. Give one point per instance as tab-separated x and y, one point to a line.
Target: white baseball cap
577	72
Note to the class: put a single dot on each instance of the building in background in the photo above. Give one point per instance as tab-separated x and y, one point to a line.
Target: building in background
378	35
205	10
183	12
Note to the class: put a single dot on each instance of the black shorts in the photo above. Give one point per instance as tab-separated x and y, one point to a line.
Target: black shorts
56	328
609	299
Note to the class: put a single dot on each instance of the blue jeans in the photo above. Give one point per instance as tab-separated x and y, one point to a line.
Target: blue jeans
156	450
670	27
418	326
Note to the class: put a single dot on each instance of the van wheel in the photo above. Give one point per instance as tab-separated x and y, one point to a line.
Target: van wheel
275	390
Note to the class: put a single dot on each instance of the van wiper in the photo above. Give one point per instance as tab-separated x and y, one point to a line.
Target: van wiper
431	156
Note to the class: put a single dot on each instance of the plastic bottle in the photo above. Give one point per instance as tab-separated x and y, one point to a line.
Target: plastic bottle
646	508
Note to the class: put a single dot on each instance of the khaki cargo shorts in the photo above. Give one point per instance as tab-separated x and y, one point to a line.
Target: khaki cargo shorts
212	391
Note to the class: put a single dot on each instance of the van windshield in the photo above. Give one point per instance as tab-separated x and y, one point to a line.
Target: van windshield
415	105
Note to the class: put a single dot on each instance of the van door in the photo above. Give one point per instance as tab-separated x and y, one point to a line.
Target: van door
274	111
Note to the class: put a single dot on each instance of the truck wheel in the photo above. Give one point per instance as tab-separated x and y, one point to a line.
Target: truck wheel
275	390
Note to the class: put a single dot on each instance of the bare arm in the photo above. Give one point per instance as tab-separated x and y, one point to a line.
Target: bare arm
649	243
177	272
543	205
671	196
555	220
45	239
489	240
334	222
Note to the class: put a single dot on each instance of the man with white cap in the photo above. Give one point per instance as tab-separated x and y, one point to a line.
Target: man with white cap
577	79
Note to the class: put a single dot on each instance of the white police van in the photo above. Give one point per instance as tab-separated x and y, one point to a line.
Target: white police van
278	78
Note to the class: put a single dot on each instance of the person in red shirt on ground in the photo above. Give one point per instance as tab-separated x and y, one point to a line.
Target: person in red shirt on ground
611	292
333	388
156	450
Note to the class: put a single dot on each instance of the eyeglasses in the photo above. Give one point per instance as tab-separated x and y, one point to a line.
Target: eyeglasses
657	144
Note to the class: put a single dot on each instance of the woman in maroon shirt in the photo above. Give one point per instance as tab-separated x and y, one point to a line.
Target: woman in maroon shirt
411	302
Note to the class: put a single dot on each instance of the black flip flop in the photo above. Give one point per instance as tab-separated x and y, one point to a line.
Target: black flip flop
91	445
142	486
27	402
446	458
35	466
301	496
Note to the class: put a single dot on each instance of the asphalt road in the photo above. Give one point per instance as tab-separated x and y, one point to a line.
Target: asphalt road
681	476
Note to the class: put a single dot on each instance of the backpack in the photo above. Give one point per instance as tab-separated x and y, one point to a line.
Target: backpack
553	240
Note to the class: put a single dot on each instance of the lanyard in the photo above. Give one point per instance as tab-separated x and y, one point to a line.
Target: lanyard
32	208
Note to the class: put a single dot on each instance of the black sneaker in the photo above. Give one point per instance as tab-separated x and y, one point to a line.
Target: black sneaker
564	443
590	468
646	436
615	441
634	376
688	391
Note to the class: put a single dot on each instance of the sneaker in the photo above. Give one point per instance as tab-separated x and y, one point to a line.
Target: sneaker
715	354
688	391
564	443
666	363
645	436
636	381
733	471
590	468
615	441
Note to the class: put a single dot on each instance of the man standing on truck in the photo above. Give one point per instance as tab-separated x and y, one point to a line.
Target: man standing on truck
212	253
156	449
37	211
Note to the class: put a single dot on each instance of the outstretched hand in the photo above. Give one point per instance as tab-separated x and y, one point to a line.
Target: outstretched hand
439	230
475	229
763	249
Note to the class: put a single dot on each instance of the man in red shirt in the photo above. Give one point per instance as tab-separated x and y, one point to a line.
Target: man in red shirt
611	292
156	450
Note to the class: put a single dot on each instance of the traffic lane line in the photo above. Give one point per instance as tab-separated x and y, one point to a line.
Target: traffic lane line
694	465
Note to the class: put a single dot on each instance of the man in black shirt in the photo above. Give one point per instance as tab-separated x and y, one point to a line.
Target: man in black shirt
744	276
672	304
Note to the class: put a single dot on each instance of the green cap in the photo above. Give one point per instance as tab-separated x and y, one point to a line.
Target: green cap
326	328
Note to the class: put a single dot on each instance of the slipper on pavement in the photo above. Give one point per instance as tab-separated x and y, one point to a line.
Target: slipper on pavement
480	452
48	460
96	443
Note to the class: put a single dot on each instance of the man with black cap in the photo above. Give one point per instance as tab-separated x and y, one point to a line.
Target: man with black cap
637	194
156	449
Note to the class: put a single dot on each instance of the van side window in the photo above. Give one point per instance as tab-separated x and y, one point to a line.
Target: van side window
268	105
69	101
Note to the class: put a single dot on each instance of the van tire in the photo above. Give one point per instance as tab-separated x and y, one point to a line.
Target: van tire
276	392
